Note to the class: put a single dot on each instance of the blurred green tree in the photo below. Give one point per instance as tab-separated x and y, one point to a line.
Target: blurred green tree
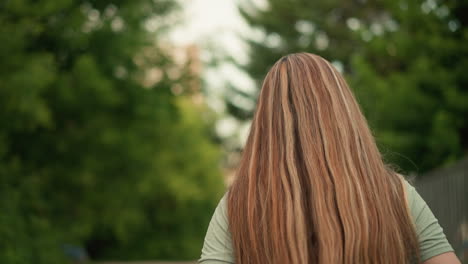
405	60
95	148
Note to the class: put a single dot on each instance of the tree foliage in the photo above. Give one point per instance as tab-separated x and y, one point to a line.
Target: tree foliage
405	61
91	154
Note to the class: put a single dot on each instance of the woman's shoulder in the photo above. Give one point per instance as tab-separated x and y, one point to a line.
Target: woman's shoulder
431	237
414	201
217	246
410	193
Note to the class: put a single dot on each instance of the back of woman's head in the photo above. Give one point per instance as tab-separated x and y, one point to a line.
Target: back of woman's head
311	186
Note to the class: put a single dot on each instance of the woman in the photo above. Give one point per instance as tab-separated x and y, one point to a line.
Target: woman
311	186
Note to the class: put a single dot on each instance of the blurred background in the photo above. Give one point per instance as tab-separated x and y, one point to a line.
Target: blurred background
122	121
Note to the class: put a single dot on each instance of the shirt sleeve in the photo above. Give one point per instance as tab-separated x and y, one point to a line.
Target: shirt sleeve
432	240
217	248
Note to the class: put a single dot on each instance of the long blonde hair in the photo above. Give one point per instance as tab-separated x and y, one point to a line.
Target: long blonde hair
311	186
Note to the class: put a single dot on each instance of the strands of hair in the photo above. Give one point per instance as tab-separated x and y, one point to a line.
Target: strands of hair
311	186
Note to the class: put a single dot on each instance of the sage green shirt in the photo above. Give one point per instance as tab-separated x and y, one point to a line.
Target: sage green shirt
217	248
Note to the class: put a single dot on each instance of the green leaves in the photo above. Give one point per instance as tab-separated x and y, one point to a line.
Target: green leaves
90	155
403	59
